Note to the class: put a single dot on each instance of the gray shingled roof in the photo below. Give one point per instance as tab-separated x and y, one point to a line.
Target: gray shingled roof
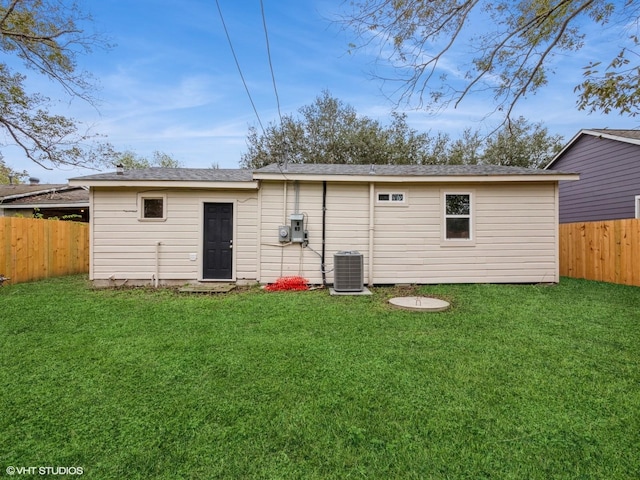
633	134
402	170
175	174
26	189
68	195
245	175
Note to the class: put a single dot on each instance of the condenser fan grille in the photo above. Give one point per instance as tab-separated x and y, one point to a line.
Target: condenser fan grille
348	272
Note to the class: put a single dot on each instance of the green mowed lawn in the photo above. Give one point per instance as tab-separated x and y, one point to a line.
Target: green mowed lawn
513	382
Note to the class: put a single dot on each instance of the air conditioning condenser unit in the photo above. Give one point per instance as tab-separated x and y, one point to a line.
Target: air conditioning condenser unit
348	271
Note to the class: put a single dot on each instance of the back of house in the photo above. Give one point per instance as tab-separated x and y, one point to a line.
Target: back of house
409	224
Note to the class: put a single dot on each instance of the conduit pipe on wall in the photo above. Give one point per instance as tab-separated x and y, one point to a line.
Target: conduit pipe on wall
156	280
324	234
372	195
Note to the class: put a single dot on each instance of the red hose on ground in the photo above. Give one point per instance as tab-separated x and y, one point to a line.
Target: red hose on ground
288	283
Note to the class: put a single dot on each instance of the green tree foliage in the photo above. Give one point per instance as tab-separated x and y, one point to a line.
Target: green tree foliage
8	175
328	131
46	37
132	161
522	145
512	59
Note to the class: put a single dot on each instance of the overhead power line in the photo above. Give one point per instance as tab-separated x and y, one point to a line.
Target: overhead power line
273	77
235	57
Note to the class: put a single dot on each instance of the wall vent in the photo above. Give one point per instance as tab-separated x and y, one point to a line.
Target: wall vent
348	273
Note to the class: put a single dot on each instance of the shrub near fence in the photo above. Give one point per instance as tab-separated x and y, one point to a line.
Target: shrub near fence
32	249
607	251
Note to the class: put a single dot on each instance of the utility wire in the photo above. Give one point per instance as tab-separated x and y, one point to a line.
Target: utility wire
275	88
238	65
273	77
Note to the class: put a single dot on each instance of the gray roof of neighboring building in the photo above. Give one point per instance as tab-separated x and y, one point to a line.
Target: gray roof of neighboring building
175	174
69	195
26	188
632	134
401	170
42	193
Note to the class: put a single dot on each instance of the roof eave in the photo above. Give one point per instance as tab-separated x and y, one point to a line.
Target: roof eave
16	206
210	185
373	178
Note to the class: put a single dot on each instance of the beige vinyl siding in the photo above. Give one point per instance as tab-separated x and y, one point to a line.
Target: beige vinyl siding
514	237
406	236
347	222
277	259
125	248
514	233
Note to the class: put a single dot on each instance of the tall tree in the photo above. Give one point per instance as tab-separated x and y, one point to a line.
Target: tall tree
46	36
512	59
522	144
329	131
132	161
9	175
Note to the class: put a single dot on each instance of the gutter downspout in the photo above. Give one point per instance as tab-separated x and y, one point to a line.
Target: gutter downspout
371	230
324	233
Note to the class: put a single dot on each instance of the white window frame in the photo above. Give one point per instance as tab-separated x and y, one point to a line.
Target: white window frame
637	206
152	196
466	242
390	201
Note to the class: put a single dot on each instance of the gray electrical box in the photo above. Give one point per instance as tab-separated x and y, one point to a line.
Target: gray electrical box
298	234
284	233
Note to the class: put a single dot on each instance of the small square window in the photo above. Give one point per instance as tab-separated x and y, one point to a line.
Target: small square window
153	207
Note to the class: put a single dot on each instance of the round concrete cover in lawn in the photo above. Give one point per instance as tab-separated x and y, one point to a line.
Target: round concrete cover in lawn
422	304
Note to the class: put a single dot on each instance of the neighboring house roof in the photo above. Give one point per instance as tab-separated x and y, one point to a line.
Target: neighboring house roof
243	178
626	136
28	196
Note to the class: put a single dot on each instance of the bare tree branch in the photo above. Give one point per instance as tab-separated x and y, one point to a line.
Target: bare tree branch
417	36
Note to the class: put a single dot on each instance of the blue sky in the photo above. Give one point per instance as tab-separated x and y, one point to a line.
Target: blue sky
170	83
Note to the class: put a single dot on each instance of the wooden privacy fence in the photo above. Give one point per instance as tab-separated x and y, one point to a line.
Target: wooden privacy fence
32	248
607	251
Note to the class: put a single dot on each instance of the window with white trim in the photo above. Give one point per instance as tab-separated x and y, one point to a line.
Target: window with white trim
457	216
153	207
391	198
